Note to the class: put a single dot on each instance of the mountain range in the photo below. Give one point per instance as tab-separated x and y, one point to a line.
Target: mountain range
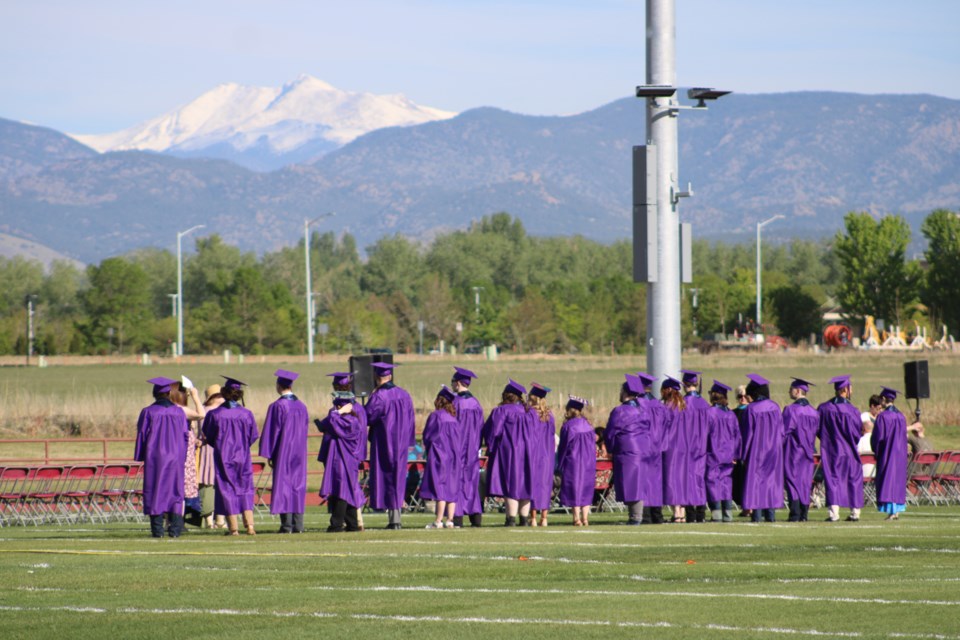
812	156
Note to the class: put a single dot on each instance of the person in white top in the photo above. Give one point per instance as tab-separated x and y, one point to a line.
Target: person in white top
876	405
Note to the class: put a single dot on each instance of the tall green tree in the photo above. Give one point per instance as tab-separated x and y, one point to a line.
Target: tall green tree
877	280
941	291
118	306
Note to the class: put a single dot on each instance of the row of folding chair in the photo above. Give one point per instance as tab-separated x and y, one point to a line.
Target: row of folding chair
68	494
933	477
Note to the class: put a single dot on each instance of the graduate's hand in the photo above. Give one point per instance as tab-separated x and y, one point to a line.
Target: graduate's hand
347	408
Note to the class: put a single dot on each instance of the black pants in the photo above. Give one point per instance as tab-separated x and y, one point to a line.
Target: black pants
696	513
291	523
175	528
652	515
798	511
343	516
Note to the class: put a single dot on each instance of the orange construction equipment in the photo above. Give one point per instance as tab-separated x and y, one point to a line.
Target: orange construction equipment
838	336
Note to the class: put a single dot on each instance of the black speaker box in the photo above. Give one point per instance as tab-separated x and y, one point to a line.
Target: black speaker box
916	379
360	366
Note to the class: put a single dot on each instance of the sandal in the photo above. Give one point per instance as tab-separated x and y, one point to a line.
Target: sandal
578	523
680	519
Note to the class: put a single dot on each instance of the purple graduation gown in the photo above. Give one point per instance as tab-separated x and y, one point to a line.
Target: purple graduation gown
628	440
492	434
543	458
762	424
723	447
839	434
509	446
889	442
470	417
577	463
651	464
343	440
162	433
685	460
800	424
284	441
232	430
443	473
392	423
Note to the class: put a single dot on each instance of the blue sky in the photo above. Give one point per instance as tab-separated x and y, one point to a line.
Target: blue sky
99	66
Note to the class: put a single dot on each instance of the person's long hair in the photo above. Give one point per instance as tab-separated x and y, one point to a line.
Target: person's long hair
673	399
178	395
570	413
231	394
540	406
717	398
442	404
510	398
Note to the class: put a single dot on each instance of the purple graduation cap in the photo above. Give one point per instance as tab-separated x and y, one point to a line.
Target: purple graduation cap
719	387
232	383
341	398
446	392
576	402
690	377
340	378
840	382
286	378
161	384
383	369
463	376
515	388
888	393
646	379
670	383
633	384
537	390
800	383
758	379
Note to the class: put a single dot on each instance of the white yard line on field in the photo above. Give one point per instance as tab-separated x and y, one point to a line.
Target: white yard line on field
479	620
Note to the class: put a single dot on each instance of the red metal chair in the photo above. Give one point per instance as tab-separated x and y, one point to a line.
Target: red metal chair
920	476
604	498
818	490
948	475
869	463
75	501
262	483
110	497
13	488
40	501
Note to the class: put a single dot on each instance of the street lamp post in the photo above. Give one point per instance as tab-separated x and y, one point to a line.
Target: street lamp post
760	225
476	300
309	293
180	235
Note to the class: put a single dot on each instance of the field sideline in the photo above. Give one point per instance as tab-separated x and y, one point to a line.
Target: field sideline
866	580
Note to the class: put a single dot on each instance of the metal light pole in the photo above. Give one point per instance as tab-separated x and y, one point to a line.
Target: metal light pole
309	295
30	335
476	300
760	225
180	235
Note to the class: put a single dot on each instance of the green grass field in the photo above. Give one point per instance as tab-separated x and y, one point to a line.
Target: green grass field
871	579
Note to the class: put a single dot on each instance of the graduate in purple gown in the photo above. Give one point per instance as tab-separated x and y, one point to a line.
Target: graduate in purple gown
696	425
162	433
889	442
231	429
723	449
839	432
344	382
651	465
443	473
684	458
343	438
762	425
544	433
629	443
283	443
507	436
470	417
392	423
800	424
577	462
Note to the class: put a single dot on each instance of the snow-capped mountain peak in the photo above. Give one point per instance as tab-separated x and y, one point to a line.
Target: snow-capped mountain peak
277	121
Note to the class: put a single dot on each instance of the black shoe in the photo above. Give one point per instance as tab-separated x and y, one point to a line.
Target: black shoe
633	523
458	521
335	529
284	531
829	519
852	519
510	522
524	521
476	519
